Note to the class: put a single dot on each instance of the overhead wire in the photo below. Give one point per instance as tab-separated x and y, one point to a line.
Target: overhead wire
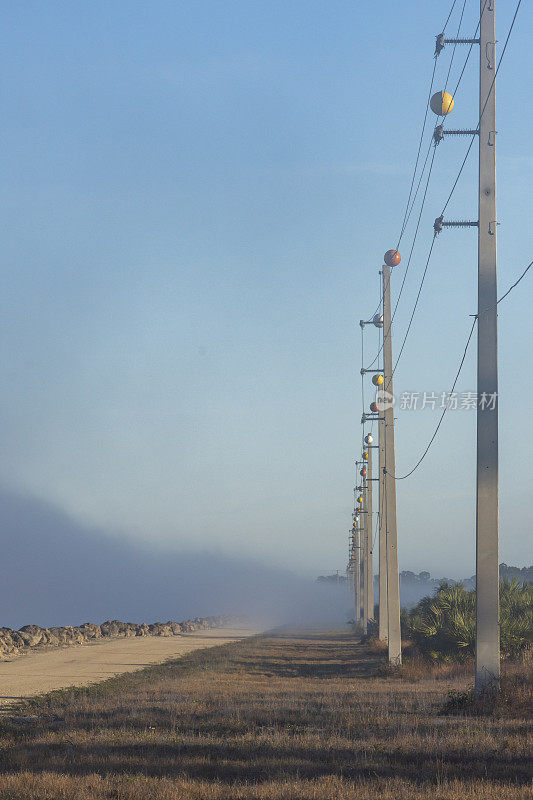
407	215
362	377
379	337
407	212
510	289
441	115
414	308
476	316
409	207
411	200
458	176
422	209
406	271
469	50
435	432
456	181
455	48
449	15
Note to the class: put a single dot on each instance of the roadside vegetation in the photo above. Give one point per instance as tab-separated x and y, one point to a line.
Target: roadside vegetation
281	716
442	627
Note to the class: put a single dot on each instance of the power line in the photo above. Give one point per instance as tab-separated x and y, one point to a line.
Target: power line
410	205
412	248
419	180
427	185
414	307
514	284
449	15
484	107
426	451
469	49
380	348
362	378
455	48
459	174
509	290
410	257
407	216
506	294
444	116
408	211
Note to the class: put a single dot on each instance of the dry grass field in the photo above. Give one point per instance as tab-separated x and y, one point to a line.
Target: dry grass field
280	716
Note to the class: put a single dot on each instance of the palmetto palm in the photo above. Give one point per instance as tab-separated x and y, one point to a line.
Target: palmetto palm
444	626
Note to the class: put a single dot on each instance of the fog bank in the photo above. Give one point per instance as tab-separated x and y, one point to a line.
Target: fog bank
58	572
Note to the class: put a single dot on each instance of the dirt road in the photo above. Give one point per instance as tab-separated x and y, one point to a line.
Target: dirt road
78	665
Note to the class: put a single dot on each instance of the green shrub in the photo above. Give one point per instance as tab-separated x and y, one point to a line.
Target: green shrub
443	627
516	617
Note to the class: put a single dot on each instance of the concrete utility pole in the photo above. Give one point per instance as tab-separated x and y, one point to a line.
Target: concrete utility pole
354	571
487	568
389	509
362	538
370	559
350	575
368	597
383	621
364	553
357	568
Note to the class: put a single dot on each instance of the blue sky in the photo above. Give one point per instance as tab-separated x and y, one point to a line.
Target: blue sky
196	201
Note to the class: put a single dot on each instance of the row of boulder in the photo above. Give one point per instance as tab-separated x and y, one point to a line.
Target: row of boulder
29	636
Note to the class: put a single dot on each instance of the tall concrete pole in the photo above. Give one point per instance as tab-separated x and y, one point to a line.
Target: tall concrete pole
369	561
391	534
364	554
487	570
353	569
348	587
361	551
351	579
383	621
357	568
361	570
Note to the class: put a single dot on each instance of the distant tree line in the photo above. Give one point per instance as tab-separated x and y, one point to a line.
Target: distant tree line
331	579
521	575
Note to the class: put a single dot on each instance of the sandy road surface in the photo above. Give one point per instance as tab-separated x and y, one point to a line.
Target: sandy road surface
94	661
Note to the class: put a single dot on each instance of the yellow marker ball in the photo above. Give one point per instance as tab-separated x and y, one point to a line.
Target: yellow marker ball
359	499
365	456
441	103
378	380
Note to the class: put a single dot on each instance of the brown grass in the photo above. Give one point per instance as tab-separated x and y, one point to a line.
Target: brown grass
514	699
292	716
417	668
